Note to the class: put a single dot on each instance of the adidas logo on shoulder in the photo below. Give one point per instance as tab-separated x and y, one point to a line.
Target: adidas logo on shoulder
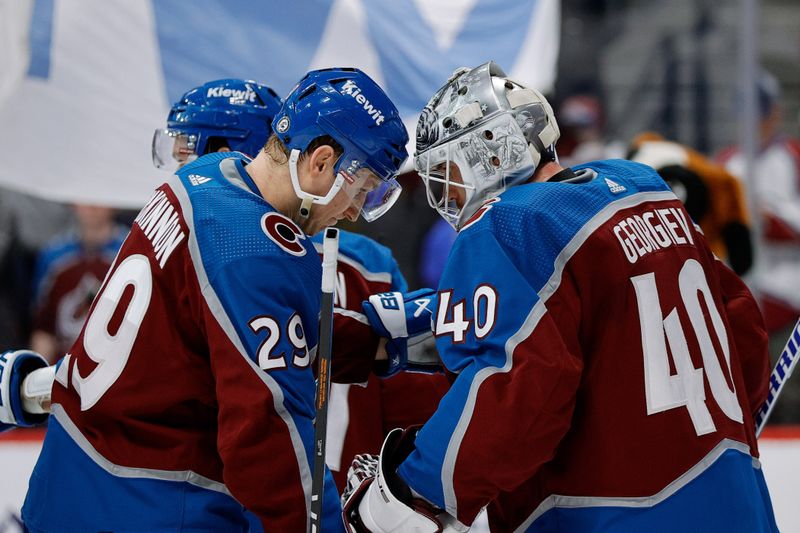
196	179
615	187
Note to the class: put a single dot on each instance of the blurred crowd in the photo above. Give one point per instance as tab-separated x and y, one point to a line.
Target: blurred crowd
53	257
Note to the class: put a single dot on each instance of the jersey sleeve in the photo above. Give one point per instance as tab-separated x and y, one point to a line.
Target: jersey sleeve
265	388
354	347
751	339
514	394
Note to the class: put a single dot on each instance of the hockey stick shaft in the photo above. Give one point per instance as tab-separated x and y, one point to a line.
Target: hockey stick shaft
330	252
780	375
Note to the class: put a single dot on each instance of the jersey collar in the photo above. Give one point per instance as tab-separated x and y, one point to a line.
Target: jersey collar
246	177
232	169
568	175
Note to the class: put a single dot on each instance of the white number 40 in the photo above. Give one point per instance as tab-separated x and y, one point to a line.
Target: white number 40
665	391
484	305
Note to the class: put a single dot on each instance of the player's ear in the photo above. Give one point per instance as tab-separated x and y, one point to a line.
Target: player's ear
322	159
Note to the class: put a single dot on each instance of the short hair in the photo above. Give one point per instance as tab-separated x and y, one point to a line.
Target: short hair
278	152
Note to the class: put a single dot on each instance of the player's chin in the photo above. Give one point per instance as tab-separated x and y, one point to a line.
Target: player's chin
317	226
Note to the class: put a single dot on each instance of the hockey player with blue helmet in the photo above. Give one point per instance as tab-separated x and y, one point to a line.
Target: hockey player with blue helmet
608	364
189	393
366	127
221	115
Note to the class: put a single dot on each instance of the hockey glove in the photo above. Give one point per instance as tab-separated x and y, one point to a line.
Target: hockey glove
376	500
15	366
405	320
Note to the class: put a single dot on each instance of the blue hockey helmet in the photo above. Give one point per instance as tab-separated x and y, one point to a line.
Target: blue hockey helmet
347	105
239	112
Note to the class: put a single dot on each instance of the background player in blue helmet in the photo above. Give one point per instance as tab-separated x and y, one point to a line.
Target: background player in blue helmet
608	365
218	116
189	391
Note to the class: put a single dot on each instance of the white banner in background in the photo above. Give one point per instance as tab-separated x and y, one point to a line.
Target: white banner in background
14	17
102	73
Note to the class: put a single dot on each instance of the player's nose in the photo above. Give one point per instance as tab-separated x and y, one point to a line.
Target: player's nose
351	213
454	196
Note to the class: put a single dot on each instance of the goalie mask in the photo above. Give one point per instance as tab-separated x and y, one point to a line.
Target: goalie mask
493	129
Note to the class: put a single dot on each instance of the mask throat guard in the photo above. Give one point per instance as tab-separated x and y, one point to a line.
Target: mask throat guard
307	199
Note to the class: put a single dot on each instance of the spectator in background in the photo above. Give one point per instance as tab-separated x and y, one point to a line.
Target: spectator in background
27	223
583	139
777	188
713	197
776	183
69	272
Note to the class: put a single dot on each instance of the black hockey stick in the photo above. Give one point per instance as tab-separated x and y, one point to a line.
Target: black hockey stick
330	252
780	374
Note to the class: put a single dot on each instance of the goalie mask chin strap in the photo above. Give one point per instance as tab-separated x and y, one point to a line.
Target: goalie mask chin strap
307	199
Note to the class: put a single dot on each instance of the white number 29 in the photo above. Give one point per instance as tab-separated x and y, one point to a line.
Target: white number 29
663	390
268	360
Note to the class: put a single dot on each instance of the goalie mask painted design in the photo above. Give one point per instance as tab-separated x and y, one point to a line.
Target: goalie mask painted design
492	128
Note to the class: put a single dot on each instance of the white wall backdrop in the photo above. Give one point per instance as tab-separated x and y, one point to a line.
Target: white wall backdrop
100	74
14	17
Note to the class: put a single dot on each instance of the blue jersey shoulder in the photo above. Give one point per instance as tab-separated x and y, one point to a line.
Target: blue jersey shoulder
257	260
62	245
533	223
232	221
644	175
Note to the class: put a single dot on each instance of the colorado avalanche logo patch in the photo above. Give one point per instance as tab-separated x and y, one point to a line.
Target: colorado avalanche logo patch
283	232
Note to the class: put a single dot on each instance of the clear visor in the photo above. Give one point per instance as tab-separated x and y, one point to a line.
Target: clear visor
372	194
173	149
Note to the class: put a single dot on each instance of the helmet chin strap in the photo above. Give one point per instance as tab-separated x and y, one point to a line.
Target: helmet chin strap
307	199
